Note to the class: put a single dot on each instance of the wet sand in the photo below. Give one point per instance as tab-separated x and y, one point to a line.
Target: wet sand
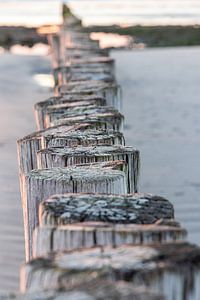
162	111
161	106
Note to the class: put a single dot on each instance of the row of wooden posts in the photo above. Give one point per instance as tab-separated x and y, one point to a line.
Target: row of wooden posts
89	233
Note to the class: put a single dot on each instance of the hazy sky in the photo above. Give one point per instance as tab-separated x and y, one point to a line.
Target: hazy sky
34	12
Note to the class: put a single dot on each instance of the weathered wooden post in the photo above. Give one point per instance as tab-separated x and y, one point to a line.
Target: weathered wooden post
65	157
109	115
96	68
110	91
41	108
63	136
38	185
48	239
129	208
73	109
73	221
82	52
173	268
73	75
95	289
86	138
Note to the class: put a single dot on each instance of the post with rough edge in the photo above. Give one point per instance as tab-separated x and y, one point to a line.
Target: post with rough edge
160	267
38	185
74	221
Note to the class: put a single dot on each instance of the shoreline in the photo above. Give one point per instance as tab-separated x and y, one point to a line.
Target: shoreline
20	35
156	36
149	36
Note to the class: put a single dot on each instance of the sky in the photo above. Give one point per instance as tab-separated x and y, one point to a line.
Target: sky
155	12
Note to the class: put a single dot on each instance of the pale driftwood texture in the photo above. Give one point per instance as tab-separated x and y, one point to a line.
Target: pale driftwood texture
74	108
79	44
89	234
95	68
105	121
62	136
131	208
63	40
110	91
70	74
86	138
172	268
56	49
71	36
29	145
107	115
76	39
83	53
88	110
64	157
59	57
71	105
95	289
62	101
38	185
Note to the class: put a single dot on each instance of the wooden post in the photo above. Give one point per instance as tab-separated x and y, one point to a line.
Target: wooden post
108	115
110	91
85	67
63	136
72	53
131	208
71	74
48	239
65	157
38	185
95	289
41	108
160	267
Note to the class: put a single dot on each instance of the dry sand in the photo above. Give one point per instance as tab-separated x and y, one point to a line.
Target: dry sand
161	105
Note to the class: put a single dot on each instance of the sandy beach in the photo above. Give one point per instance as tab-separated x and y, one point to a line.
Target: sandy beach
161	106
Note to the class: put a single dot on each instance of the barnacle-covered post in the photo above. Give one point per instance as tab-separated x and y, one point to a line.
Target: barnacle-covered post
74	221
